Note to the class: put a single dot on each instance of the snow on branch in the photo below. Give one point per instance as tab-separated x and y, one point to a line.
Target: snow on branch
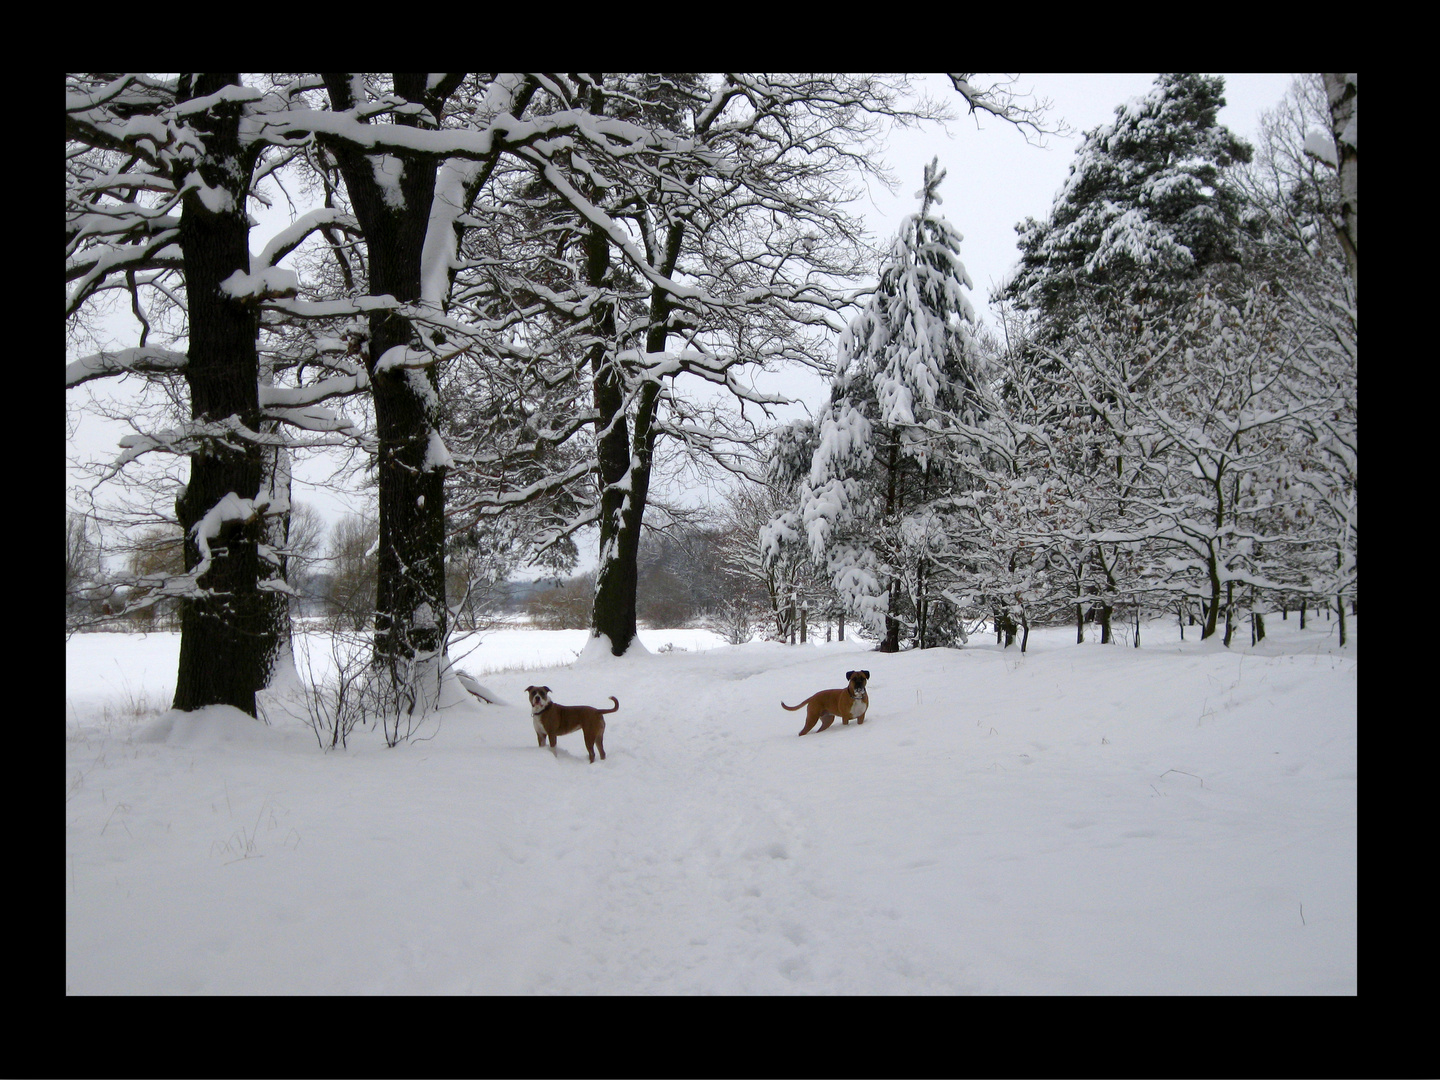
504	132
1001	101
286	397
266	283
612	230
158	251
148	361
1322	146
290	237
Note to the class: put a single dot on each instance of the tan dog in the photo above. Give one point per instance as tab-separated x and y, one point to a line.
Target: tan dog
551	720
848	703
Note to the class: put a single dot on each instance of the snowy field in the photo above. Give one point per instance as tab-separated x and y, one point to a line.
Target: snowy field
1177	819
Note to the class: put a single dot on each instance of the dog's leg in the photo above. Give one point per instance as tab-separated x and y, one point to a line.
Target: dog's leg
600	740
827	720
810	719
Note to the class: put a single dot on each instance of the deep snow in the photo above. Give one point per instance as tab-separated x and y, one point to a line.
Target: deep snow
1176	819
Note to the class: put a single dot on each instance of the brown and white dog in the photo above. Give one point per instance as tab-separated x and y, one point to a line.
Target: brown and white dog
848	703
551	720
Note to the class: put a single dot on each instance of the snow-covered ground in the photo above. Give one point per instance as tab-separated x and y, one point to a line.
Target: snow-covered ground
1177	819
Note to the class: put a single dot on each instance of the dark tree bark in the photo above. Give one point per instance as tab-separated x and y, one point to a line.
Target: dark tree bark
624	494
410	618
225	635
625	456
617	575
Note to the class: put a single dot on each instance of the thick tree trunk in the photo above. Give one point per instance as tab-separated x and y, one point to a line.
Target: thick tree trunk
617	618
625	466
617	576
224	634
625	488
410	617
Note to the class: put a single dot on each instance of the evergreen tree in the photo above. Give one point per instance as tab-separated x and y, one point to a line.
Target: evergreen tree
1147	208
902	438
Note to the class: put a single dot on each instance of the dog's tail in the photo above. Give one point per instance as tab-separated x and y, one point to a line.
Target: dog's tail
795	708
616	709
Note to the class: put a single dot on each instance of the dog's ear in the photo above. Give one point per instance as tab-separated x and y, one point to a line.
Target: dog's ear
849	674
529	689
545	688
866	674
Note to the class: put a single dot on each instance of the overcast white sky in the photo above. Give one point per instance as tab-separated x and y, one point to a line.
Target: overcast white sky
994	180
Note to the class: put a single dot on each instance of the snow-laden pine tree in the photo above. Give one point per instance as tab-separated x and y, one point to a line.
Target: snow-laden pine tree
902	439
1147	207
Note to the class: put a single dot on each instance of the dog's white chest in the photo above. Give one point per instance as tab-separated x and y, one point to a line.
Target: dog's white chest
535	719
858	706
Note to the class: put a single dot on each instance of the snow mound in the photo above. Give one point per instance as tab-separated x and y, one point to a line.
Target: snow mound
598	650
208	728
478	690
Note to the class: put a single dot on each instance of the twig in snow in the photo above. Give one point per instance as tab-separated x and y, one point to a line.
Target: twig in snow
1182	772
118	807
